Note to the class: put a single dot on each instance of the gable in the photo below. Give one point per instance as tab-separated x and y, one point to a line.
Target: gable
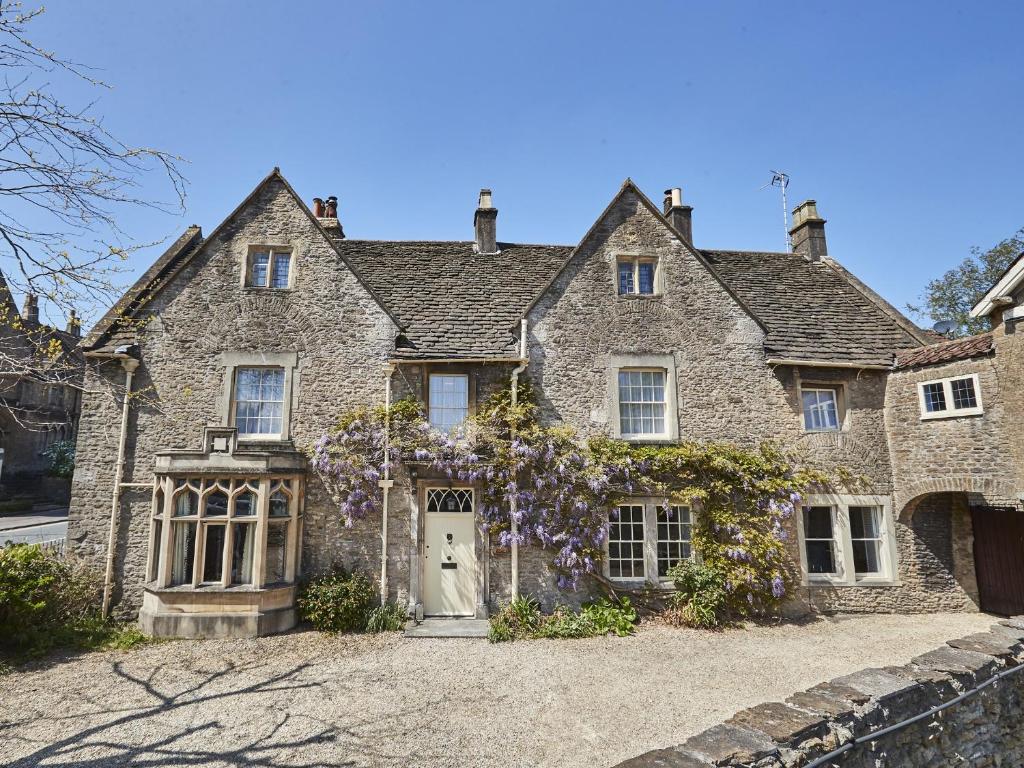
116	326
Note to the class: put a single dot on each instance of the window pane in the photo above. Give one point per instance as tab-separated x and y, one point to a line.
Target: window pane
673	537
818	522
260	262
963	393
866	533
820	412
186	503
934	397
626	543
449	401
865	557
259	401
242	552
282	264
277	549
279	505
245	504
213	553
216	504
645	271
626	278
820	558
642	402
184	556
158	540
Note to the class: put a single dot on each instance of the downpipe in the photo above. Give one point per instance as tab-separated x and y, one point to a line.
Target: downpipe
385	485
513	506
129	364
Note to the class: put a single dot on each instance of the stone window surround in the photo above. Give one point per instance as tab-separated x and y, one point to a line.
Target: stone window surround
665	362
246	271
633	256
845	576
158	570
842	399
651	505
289	361
950	412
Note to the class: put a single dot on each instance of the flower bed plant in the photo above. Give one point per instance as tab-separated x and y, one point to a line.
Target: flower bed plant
521	619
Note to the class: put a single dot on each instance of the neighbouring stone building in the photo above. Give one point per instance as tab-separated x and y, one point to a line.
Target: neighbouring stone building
241	348
40	381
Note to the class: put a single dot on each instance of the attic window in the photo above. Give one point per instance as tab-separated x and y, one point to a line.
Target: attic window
637	276
269	268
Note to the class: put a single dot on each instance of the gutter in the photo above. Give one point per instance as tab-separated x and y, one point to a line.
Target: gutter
513	506
129	364
820	364
385	485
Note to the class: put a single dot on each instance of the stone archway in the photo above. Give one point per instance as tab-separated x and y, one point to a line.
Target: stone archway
993	490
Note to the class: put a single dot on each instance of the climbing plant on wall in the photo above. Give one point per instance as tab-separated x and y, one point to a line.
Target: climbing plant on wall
564	489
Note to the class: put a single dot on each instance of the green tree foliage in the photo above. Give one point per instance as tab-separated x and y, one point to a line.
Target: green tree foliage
952	296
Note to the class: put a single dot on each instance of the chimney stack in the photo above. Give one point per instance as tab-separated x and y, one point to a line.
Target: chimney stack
808	231
30	313
679	216
74	324
326	212
485	222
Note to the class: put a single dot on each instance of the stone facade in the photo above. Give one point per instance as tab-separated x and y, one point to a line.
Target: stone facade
336	331
982	729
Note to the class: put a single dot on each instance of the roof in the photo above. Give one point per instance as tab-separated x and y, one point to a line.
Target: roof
1010	281
814	311
450	300
947	351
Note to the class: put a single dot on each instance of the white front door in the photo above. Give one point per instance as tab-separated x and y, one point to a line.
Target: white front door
449	553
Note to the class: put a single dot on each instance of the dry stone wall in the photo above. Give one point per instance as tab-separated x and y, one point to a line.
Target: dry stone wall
982	730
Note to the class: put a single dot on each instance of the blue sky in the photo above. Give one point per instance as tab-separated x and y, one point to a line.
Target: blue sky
903	120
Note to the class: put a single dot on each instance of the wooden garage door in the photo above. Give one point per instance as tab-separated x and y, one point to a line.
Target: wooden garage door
999	559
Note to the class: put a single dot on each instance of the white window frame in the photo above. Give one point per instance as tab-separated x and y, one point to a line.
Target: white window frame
258	436
274	252
234	360
837	393
845	574
431	407
636	260
950	411
662	363
650	506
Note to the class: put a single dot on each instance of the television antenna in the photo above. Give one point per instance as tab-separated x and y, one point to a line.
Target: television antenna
780	179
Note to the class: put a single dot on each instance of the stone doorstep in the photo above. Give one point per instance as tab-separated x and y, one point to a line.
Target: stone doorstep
457	628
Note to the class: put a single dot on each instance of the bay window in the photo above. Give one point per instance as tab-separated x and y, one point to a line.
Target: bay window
225	531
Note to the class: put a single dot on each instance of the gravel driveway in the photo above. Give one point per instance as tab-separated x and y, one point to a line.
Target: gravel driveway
305	699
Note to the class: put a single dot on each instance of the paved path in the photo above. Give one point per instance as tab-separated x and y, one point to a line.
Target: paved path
305	699
35	534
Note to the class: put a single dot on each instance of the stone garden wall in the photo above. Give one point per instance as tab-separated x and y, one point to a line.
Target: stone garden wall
982	730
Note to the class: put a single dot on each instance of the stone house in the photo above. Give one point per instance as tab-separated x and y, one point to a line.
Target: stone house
40	380
241	348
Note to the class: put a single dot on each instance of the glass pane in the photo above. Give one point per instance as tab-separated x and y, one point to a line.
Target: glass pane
818	522
242	552
820	412
213	553
279	505
626	542
259	401
645	271
259	269
216	504
186	503
963	394
449	401
282	264
865	556
245	504
625	278
819	557
277	549
184	555
864	522
934	397
158	538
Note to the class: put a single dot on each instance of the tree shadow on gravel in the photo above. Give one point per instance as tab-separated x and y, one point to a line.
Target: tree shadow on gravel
111	738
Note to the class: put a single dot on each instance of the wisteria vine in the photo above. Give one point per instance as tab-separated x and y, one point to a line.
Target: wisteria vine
565	489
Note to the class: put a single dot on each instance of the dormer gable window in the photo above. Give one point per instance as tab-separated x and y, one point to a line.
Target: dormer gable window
637	275
269	267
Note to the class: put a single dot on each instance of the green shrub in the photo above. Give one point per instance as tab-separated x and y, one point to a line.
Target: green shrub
60	459
45	602
390	617
337	602
521	620
701	599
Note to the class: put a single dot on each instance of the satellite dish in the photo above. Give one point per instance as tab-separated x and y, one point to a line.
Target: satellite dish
944	326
